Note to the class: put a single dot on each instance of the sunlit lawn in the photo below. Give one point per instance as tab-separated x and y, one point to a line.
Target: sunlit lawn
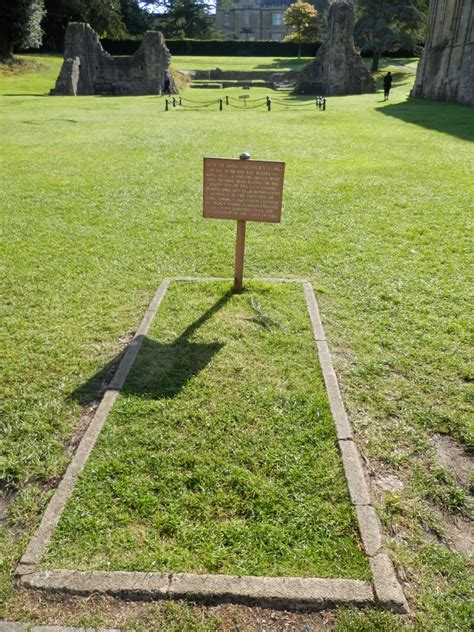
101	198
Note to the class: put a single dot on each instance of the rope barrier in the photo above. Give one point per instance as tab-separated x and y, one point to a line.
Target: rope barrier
248	100
247	107
240	104
293	105
192	100
199	107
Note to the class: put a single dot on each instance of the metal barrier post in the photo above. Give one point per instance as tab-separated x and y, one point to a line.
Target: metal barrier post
166	105
269	104
220	105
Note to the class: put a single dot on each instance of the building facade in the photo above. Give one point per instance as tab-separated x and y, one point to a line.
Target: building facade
252	19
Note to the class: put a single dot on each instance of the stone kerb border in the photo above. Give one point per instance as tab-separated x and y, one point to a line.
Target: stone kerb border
275	592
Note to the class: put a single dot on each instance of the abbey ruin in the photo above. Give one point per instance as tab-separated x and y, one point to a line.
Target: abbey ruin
88	69
338	68
446	69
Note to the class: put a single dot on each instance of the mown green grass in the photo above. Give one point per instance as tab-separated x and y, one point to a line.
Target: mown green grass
101	198
189	62
221	455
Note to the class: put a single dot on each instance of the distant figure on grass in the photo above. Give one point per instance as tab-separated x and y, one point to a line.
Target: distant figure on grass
166	85
387	84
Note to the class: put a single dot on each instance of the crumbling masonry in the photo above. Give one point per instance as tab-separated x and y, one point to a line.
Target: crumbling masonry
87	69
446	69
338	68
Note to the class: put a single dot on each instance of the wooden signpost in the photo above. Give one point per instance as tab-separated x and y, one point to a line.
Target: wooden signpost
243	190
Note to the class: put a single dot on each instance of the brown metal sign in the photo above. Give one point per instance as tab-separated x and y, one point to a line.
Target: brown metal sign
246	190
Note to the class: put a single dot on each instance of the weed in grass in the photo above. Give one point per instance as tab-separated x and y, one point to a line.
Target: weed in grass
260	318
440	487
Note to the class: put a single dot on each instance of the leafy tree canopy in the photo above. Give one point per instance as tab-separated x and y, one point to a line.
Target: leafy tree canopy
385	25
20	25
186	19
135	18
116	19
303	18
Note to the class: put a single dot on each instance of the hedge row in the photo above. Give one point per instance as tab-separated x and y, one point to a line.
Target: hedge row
221	48
218	48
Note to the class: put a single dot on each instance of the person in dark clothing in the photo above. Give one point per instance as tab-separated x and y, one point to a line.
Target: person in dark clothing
166	84
387	84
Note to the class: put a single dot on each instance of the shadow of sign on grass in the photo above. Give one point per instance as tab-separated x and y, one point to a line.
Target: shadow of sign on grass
448	118
161	370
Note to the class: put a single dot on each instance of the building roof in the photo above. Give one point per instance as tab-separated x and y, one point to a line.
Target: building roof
275	3
245	4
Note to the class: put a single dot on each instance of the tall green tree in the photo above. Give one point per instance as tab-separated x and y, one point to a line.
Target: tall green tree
105	17
385	25
302	17
187	19
135	18
20	26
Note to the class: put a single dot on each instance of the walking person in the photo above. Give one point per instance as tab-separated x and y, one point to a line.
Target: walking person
387	85
166	83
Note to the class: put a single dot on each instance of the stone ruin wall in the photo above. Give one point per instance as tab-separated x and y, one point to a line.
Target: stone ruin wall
446	69
338	68
88	69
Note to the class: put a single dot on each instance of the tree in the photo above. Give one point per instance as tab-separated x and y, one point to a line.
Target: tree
105	17
136	19
20	26
303	18
385	25
187	18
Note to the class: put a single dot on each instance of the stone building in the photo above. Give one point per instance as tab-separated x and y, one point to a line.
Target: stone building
252	19
88	69
446	68
338	68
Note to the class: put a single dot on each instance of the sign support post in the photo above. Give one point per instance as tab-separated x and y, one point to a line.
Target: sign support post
240	247
239	256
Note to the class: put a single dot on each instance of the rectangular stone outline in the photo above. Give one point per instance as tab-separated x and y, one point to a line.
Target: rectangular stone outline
276	592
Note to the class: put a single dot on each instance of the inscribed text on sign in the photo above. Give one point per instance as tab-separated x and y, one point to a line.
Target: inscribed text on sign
243	189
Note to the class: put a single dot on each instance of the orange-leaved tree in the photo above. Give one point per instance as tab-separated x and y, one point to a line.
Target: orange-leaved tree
302	17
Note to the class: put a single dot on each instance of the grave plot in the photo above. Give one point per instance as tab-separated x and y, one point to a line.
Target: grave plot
220	453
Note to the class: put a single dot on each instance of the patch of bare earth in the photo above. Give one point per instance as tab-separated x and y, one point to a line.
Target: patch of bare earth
49	609
455	458
458	461
4	505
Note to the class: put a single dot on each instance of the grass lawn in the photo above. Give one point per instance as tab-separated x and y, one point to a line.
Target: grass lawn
277	64
101	198
220	456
